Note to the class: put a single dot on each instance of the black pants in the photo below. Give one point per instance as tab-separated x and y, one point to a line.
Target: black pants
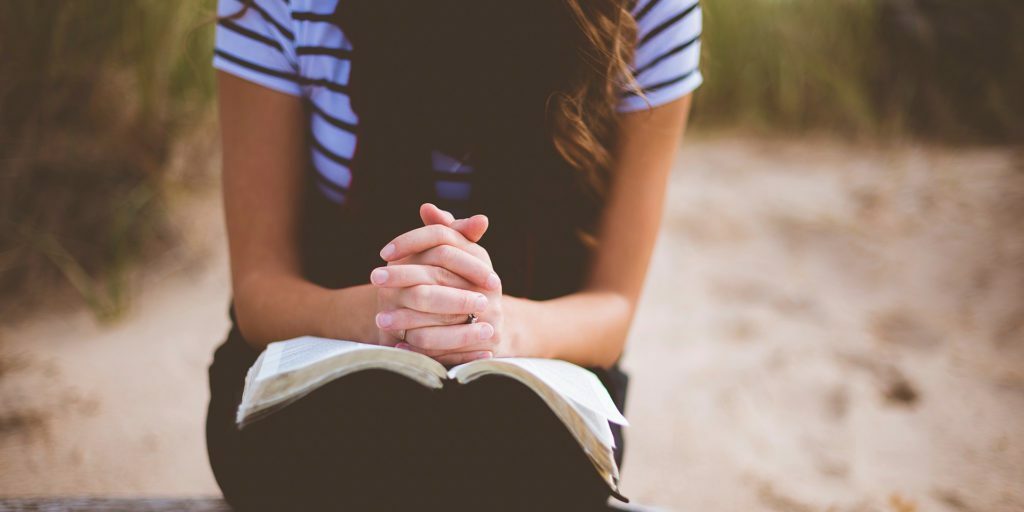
378	441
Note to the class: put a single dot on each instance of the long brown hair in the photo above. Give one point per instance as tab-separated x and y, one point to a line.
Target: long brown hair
583	118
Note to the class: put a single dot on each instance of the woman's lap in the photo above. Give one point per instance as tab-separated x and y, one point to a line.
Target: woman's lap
376	440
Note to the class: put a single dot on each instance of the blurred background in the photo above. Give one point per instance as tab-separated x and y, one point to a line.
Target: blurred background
834	318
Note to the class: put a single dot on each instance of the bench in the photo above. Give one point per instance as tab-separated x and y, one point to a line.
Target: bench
99	504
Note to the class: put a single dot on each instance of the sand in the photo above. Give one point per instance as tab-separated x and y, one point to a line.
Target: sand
825	327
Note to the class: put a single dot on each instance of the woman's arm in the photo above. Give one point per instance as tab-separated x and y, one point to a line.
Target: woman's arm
590	327
265	154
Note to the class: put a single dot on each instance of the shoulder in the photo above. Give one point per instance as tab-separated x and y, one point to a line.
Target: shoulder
276	14
667	57
283	17
265	41
319	7
656	18
255	40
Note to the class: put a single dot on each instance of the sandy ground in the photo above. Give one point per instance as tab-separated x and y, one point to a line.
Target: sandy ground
824	328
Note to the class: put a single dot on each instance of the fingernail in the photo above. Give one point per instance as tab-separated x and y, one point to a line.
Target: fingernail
481	303
403	346
486	331
486	355
384	320
379	276
493	281
387	251
448	216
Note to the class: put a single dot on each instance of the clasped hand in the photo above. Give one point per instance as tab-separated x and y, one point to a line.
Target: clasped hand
435	277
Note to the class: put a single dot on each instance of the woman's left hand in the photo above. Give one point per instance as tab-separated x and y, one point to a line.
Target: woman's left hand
427	246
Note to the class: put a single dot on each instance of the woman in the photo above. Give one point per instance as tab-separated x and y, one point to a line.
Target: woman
555	122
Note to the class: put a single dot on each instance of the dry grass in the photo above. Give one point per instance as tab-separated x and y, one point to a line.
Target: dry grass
95	94
946	70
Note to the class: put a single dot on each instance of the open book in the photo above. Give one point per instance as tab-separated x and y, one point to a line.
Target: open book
288	370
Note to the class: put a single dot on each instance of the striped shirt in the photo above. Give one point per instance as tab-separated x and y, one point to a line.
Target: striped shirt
294	48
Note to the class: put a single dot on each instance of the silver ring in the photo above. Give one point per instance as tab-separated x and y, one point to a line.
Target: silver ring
471	319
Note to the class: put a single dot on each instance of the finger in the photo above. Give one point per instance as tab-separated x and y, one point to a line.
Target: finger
421	239
404	319
452	358
403	276
471	268
432	298
390	338
454	338
472	228
431	214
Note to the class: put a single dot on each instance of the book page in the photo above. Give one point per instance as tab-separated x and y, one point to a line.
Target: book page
288	370
572	382
286	356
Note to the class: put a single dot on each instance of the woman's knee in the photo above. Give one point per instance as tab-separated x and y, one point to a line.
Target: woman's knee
350	439
518	449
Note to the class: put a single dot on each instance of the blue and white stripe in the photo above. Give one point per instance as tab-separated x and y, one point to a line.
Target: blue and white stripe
292	47
667	54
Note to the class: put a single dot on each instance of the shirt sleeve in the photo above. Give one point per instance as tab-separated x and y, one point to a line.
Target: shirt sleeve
258	44
667	58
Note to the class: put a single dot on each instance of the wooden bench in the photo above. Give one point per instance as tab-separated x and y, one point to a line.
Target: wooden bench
97	504
82	504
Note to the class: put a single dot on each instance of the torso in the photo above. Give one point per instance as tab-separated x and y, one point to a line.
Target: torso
317	55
